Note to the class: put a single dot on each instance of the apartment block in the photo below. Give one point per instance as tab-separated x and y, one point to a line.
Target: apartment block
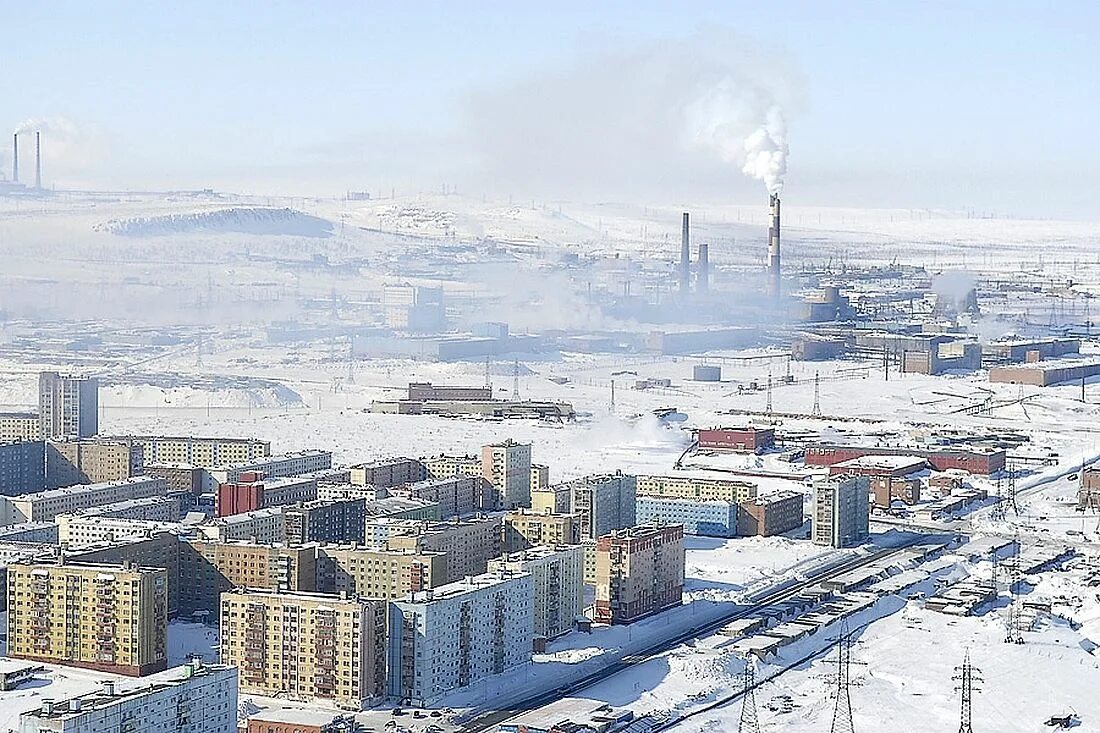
152	508
523	529
457	496
43	506
107	617
197	698
376	572
208	569
180	476
451	637
694	487
389	472
553	499
507	468
841	511
306	646
540	478
447	466
176	450
159	551
603	503
557	574
31	532
399	507
325	521
91	461
639	572
68	406
77	531
708	518
469	544
263	526
22	467
251	490
280	466
18	427
770	514
340	492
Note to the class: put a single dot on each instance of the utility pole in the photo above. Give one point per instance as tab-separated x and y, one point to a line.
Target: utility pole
750	722
613	395
816	411
886	361
966	675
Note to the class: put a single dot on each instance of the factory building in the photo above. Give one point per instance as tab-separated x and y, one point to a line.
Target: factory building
770	514
748	439
91	461
695	487
972	460
207	569
197	698
19	426
375	572
305	646
427	392
107	617
68	406
507	468
43	506
888	489
557	574
456	635
639	572
22	467
325	521
1044	375
389	472
603	503
1006	351
879	465
709	518
841	511
946	357
523	529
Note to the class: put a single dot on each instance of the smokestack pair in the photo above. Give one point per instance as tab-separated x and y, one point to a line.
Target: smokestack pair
774	272
37	159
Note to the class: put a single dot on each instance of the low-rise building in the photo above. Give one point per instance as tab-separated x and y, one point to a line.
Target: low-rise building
305	646
770	514
713	518
454	636
748	439
879	465
888	489
557	574
639	572
523	529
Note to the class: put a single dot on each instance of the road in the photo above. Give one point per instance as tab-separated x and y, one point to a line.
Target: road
491	719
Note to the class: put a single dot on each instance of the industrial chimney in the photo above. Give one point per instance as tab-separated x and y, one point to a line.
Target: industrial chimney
703	283
37	159
685	257
773	249
15	158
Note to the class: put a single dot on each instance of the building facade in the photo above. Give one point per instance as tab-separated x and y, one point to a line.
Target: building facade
639	572
523	529
16	427
325	521
208	569
22	467
770	514
469	544
507	468
378	572
305	646
43	506
106	617
557	575
71	462
696	487
713	518
389	472
603	503
741	440
841	511
457	496
68	406
176	450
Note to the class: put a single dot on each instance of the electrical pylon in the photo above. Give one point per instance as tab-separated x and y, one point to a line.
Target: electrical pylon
515	381
842	713
750	721
768	408
1015	624
816	411
966	676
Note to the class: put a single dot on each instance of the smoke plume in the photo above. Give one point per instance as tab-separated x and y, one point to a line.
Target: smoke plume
65	145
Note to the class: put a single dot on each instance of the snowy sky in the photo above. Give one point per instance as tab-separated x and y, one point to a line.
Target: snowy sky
983	105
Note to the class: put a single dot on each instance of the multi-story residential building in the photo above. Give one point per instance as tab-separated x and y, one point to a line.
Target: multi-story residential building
208	569
554	499
695	487
107	617
281	466
17	427
251	491
152	508
91	461
340	492
589	562
22	467
389	472
197	698
603	503
540	479
507	468
77	531
458	634
325	521
399	507
180	476
193	451
30	532
710	518
305	646
376	572
841	511
770	514
639	572
159	551
523	529
469	544
557	574
447	466
68	407
457	496
42	506
262	526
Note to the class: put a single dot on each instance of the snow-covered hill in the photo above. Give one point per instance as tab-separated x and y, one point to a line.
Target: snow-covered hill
238	219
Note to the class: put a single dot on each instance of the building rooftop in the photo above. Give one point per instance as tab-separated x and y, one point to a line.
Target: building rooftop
459	588
884	462
49	494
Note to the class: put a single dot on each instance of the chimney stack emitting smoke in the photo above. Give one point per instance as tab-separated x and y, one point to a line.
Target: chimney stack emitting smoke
703	283
37	159
685	256
15	158
773	248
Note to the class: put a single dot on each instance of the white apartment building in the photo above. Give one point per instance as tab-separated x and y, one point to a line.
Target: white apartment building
262	526
287	464
79	530
458	634
68	407
557	573
43	506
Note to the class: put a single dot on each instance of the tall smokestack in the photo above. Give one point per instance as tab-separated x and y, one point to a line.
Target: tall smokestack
703	283
15	158
774	271
37	159
685	256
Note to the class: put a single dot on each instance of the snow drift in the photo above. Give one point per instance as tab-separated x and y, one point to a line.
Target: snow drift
241	219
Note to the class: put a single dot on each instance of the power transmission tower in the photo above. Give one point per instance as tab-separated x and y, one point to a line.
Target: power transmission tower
612	395
750	722
998	513
816	411
488	381
351	362
1012	490
768	408
966	676
515	381
842	713
1015	624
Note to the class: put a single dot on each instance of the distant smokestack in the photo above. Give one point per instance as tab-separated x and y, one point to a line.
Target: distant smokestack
774	267
685	256
37	159
15	158
703	283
